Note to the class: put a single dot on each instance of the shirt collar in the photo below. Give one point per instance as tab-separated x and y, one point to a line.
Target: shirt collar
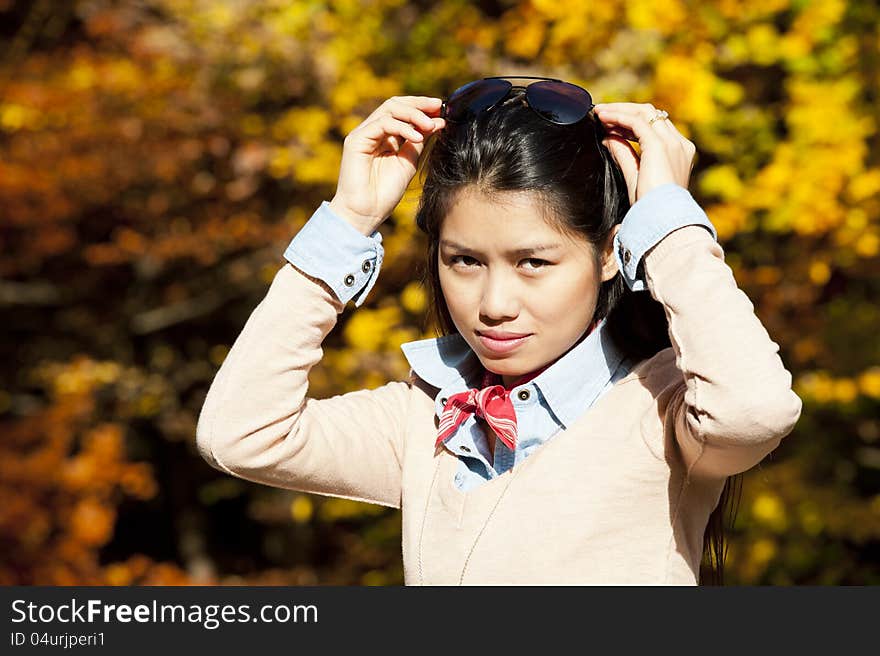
570	385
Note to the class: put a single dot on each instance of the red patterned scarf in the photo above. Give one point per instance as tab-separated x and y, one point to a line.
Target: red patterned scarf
491	402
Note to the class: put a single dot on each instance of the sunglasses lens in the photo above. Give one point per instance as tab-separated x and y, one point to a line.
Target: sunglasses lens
468	101
559	102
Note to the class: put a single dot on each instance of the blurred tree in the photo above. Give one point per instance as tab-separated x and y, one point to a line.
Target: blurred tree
157	155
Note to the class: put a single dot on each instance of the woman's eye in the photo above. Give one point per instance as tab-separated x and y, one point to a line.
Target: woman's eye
468	261
540	263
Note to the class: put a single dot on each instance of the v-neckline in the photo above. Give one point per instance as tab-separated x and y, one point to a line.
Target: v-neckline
449	461
472	510
448	466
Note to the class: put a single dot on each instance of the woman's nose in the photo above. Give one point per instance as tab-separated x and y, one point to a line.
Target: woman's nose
499	300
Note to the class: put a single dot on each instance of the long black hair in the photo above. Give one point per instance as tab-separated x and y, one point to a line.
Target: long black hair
512	149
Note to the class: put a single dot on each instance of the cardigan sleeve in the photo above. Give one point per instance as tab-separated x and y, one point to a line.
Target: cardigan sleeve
734	402
258	422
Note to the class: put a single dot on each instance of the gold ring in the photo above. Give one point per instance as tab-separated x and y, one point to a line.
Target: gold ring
661	113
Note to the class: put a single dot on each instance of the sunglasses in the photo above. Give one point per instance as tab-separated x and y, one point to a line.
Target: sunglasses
556	101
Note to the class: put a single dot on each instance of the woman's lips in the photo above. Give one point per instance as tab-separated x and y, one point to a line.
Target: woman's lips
501	345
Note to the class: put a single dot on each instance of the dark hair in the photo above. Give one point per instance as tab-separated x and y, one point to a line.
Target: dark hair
512	149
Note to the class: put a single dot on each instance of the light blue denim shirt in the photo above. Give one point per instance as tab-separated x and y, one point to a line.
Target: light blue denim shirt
551	401
331	249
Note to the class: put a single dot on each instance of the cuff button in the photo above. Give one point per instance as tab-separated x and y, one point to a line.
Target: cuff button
349	280
626	257
366	266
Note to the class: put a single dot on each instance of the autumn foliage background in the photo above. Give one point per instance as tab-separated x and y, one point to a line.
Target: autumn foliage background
156	156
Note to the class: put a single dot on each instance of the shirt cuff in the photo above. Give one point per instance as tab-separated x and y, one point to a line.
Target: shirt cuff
329	248
659	212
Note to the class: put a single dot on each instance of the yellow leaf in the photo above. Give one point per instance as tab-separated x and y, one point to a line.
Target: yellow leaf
413	298
302	509
868	244
721	180
869	382
768	509
820	272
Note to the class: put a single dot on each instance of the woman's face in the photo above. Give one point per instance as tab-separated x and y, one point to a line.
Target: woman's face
491	281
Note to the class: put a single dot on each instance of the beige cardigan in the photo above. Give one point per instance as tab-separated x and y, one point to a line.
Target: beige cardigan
620	497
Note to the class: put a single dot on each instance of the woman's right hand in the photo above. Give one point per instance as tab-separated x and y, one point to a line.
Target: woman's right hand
380	157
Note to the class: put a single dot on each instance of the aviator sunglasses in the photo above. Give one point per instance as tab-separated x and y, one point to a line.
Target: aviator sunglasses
553	100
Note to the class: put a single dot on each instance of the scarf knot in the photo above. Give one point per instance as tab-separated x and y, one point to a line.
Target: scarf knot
491	402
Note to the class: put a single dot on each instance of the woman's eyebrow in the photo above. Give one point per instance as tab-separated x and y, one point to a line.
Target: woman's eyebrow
517	251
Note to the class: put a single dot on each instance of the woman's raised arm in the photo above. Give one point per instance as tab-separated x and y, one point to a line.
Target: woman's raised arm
258	421
729	401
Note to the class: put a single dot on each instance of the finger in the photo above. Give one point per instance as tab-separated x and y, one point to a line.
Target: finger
415	116
418	146
393	144
644	133
625	156
408	150
411	151
374	133
613	140
645	111
627	160
427	105
620	131
663	126
418	120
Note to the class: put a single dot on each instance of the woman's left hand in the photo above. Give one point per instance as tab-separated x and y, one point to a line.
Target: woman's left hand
666	156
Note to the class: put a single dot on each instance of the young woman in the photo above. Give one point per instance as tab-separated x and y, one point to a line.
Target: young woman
599	379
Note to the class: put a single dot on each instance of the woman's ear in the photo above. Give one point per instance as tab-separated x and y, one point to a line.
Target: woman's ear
609	262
